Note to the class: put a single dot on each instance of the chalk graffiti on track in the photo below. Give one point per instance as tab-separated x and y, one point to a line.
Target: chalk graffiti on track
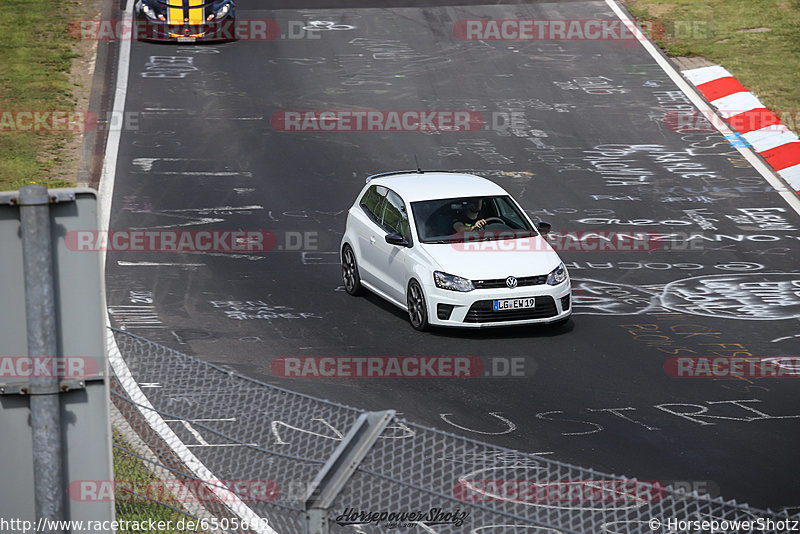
747	296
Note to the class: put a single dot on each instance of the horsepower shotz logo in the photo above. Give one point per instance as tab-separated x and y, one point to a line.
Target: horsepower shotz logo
434	516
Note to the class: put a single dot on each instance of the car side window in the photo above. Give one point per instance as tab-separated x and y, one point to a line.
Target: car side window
507	211
394	217
372	202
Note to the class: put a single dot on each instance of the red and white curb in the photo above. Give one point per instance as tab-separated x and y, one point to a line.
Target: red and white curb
745	113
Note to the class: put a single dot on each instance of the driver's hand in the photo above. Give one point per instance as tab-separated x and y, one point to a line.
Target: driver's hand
480	224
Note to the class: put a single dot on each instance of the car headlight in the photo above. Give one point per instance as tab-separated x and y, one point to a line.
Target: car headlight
151	13
452	282
221	12
557	275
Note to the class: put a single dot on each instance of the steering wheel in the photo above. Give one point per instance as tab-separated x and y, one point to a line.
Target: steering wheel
489	220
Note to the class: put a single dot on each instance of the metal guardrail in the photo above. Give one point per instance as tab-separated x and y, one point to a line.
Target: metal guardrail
275	451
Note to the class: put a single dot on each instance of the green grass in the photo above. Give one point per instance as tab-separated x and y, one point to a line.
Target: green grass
766	63
35	55
131	472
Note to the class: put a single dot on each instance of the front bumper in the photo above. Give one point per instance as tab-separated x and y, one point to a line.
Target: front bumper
150	30
473	309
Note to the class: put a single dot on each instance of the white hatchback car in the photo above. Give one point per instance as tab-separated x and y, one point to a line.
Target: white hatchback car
452	250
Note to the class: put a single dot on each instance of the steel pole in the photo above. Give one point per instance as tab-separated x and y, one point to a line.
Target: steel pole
40	312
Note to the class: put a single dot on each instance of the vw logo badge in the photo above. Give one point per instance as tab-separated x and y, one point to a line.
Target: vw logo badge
511	282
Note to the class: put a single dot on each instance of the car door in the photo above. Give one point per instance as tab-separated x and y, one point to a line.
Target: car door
367	229
391	261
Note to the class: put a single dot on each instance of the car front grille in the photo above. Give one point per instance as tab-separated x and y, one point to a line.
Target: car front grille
501	282
482	312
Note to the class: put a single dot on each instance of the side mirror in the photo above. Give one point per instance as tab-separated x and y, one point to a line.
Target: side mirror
544	227
397	239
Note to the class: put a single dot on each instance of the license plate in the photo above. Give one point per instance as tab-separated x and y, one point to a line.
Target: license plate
187	39
514	304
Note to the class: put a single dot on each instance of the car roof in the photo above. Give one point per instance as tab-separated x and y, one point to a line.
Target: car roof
415	186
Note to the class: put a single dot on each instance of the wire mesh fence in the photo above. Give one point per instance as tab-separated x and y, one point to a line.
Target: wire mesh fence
201	442
140	489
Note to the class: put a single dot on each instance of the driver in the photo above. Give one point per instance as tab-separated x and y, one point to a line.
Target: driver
468	219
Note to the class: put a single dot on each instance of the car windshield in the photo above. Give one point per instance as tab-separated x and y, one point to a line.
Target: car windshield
458	219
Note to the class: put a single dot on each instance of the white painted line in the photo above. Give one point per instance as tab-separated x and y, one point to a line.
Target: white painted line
229	255
705	74
115	359
202	420
188	426
202	173
157	264
737	103
234	118
146	164
230	499
320	258
784	338
694	96
108	174
219	208
223	445
192	222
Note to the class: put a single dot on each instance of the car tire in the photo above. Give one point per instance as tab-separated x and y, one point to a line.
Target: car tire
350	276
417	307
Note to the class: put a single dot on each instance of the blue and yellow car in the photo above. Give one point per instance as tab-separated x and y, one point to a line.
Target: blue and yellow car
185	20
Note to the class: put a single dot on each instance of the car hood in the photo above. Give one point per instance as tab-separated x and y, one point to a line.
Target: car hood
528	256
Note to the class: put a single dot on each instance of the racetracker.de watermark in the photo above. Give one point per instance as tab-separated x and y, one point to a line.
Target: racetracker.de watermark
75	121
397	367
735	367
562	241
578	29
621	240
199	241
558	491
183	491
545	30
375	120
695	241
707	121
239	29
63	367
